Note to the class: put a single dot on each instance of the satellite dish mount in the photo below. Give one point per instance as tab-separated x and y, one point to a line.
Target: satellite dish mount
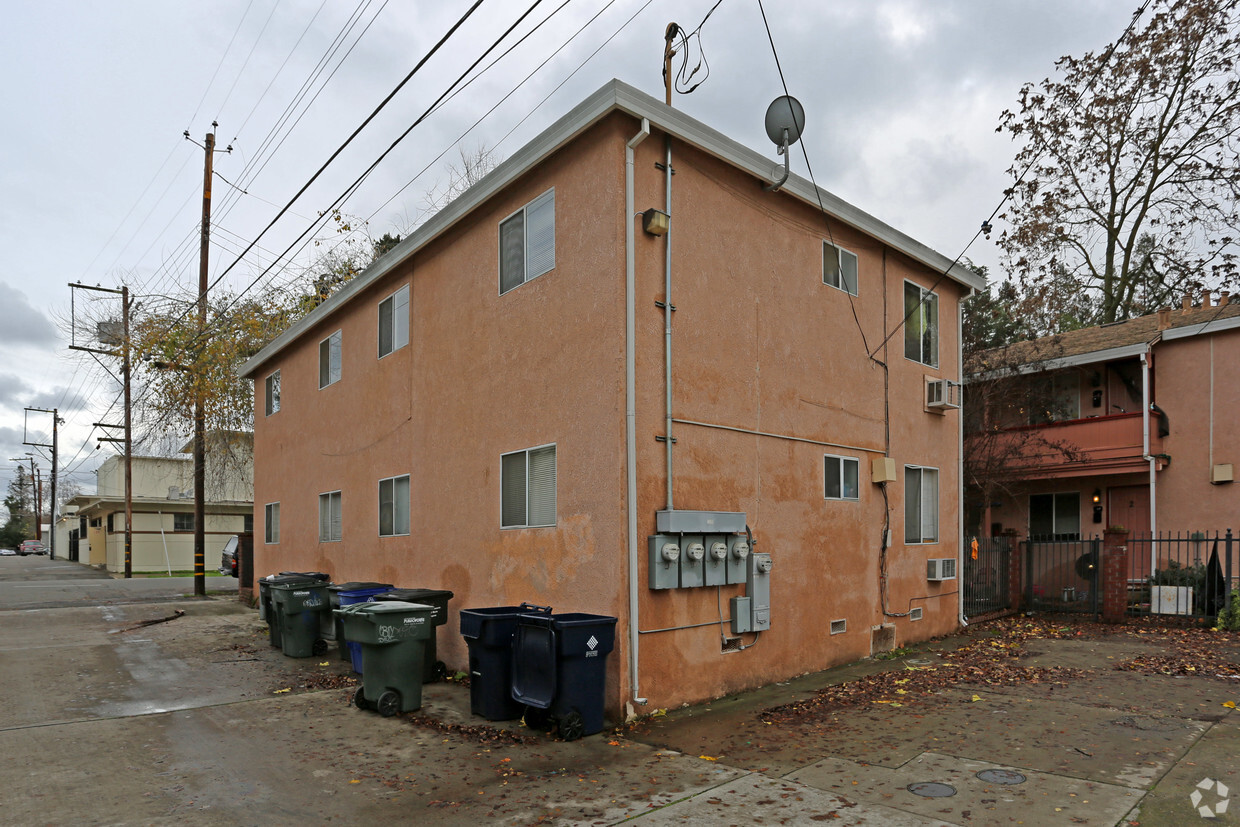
785	120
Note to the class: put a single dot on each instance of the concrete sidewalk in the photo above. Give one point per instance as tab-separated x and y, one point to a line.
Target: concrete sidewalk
198	720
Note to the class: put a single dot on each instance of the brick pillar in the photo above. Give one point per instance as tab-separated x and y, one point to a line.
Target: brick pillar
1016	568
1114	575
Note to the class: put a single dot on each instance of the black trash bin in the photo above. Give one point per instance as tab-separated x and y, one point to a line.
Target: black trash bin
488	635
346	594
559	670
266	609
433	669
299	608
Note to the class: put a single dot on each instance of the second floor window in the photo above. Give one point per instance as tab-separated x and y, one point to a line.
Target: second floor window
329	360
271	394
527	242
182	522
271	523
921	325
394	322
839	268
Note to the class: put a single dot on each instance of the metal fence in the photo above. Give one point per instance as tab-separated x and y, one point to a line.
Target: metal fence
986	576
1063	575
1187	575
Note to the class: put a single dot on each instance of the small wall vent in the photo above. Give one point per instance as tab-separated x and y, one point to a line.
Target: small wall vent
839	627
915	614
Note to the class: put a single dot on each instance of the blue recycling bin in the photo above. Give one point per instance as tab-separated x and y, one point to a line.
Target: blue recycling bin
559	670
488	634
348	594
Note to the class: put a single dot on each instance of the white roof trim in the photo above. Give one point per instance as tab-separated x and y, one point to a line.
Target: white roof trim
613	96
1204	327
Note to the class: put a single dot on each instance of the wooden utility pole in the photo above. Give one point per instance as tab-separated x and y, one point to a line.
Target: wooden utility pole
56	420
200	416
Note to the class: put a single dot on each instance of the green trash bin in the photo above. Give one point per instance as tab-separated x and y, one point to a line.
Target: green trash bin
393	637
266	610
299	608
433	669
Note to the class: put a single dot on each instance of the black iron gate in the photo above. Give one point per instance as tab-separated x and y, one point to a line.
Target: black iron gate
1063	575
986	576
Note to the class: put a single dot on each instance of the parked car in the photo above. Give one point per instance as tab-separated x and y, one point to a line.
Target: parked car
31	547
7	552
229	557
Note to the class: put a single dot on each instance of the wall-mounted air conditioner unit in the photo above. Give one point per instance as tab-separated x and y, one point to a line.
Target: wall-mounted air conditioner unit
943	568
942	394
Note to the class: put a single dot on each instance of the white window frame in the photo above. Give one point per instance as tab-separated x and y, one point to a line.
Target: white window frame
399	521
841	477
916	322
331	370
917	507
271	524
845	263
271	393
331	530
537	257
540	514
395	311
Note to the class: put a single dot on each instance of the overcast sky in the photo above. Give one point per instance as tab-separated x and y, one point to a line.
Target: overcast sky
902	99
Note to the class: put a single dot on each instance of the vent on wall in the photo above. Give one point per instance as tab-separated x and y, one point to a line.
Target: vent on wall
915	614
839	627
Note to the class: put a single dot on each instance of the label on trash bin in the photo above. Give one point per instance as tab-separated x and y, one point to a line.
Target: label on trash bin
415	620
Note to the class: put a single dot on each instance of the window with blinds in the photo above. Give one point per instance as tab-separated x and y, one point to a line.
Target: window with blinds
527	488
329	360
394	506
394	322
527	242
921	504
330	517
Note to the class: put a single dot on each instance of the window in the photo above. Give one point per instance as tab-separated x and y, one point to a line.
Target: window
394	322
329	360
109	523
329	517
921	504
394	506
183	522
840	474
1055	516
527	485
272	395
271	523
1055	399
527	242
247	523
839	268
921	325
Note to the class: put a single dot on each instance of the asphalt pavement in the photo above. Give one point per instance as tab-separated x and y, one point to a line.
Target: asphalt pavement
133	702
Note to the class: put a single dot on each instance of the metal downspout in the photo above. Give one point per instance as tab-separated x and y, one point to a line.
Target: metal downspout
964	621
667	314
1145	453
630	398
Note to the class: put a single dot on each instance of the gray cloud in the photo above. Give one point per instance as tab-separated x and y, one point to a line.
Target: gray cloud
20	323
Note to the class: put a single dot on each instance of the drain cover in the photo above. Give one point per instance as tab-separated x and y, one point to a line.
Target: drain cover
1001	777
931	789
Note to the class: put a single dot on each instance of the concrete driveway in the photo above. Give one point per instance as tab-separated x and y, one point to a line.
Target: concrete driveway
120	711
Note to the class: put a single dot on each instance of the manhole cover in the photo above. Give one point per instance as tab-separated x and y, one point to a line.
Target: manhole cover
1001	777
931	789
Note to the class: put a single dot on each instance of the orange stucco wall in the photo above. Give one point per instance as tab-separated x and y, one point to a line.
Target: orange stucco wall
759	343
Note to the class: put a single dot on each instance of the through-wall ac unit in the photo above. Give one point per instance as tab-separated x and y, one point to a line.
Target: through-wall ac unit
942	568
942	394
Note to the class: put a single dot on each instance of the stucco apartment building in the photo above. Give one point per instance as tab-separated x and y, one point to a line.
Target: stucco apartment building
542	389
1146	410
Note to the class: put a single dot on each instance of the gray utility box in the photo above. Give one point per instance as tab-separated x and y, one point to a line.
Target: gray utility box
752	612
716	563
692	561
737	564
664	562
699	522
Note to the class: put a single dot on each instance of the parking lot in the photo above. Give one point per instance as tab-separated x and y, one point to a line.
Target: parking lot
132	703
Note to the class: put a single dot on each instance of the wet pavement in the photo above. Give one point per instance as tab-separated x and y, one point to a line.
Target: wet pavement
120	711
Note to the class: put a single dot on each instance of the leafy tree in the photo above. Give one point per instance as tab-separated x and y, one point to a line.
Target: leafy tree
19	503
1132	167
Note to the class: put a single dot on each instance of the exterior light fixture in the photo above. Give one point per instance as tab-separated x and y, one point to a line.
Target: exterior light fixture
1097	495
656	222
1097	505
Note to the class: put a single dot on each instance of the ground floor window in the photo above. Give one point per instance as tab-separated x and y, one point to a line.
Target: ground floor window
1055	516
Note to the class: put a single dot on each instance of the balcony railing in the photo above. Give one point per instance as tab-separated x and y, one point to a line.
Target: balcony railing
1076	447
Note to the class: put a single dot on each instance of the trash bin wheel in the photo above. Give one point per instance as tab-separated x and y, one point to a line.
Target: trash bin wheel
319	647
572	726
440	671
389	703
359	699
536	718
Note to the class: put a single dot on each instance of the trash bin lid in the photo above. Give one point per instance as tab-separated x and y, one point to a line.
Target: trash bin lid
357	586
292	579
388	607
416	595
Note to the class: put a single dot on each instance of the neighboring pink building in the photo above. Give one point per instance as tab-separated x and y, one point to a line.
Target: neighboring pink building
1150	407
514	405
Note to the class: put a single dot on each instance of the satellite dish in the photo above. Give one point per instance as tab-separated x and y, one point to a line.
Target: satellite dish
785	119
